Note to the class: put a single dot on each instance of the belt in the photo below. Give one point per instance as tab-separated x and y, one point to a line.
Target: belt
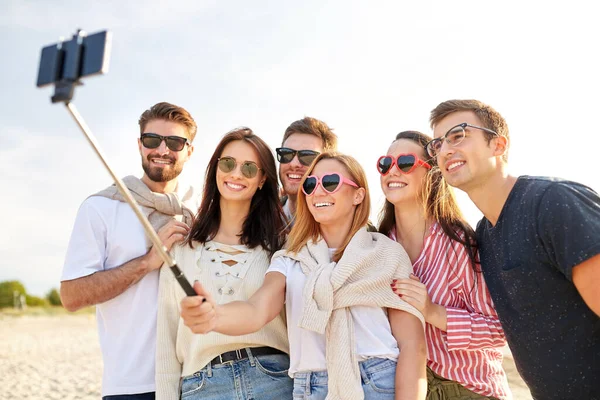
242	354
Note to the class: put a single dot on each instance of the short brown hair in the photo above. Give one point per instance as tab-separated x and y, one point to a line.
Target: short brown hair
169	112
489	117
313	126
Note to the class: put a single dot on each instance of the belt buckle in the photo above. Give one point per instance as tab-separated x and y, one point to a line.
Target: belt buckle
238	354
220	359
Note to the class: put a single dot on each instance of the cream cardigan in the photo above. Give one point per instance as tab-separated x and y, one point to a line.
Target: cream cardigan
361	277
179	352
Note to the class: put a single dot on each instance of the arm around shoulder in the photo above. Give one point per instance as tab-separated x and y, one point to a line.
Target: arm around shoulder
102	286
86	280
586	278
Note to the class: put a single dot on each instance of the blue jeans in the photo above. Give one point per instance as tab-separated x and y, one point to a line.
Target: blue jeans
140	396
262	377
378	377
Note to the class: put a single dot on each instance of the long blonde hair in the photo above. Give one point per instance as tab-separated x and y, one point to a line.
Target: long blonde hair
306	228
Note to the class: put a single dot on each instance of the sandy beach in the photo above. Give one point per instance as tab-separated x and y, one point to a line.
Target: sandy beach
58	357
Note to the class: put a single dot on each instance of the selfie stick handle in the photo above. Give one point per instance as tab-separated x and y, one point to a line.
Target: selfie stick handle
162	250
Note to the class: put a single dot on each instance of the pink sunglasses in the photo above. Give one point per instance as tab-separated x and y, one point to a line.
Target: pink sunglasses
331	183
406	163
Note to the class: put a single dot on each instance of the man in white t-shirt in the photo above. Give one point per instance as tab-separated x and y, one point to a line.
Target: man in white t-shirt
110	262
302	142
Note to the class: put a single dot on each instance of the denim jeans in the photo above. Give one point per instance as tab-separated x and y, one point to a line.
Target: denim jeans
262	377
139	396
377	375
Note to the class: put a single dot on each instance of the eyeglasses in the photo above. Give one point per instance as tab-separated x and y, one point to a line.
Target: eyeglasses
453	137
285	155
249	168
406	163
331	183
152	141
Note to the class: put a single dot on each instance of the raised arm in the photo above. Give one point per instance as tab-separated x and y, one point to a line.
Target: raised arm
411	379
104	285
238	317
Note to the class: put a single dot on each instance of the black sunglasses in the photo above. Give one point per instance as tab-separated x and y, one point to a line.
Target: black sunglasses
285	155
249	168
152	141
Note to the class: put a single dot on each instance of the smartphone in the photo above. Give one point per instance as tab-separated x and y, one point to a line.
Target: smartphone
63	64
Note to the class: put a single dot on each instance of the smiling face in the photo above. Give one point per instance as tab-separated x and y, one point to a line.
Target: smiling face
234	185
162	164
333	208
472	162
291	173
398	187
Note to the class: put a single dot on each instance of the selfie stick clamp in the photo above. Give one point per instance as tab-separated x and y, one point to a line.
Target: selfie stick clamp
63	65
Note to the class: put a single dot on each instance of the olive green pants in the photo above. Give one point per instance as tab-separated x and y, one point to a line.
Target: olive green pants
439	388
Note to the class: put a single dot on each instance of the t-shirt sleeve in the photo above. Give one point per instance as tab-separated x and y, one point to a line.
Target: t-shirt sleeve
86	251
281	265
569	225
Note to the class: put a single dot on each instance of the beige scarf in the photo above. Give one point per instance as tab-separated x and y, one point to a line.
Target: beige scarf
362	277
159	208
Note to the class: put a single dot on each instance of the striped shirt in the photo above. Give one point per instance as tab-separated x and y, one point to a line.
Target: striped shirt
469	352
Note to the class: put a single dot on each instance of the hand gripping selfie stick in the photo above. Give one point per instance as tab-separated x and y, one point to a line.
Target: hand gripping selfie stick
63	65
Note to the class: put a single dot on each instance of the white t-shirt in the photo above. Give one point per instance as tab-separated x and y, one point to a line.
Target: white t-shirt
107	234
288	212
373	334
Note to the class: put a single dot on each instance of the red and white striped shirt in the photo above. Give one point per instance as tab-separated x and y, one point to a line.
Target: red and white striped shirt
469	352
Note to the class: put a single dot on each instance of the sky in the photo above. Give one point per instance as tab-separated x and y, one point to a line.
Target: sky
368	69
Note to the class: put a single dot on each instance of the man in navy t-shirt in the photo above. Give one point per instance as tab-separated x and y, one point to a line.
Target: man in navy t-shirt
539	244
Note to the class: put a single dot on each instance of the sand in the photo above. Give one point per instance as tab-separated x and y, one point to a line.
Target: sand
58	357
49	357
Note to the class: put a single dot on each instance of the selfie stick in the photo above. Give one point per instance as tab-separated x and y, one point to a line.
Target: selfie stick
64	90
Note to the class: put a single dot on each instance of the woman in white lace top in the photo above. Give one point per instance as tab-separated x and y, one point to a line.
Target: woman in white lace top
239	225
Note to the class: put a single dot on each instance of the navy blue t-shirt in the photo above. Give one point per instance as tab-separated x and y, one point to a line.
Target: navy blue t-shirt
547	226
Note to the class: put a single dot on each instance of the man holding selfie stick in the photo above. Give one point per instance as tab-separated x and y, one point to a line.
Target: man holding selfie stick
115	251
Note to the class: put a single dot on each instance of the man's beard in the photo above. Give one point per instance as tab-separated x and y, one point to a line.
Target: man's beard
157	174
288	187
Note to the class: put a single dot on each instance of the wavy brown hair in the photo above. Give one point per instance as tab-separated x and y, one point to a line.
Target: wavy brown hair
265	223
306	228
439	204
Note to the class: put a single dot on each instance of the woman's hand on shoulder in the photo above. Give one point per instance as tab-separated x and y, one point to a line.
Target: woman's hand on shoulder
199	312
414	293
